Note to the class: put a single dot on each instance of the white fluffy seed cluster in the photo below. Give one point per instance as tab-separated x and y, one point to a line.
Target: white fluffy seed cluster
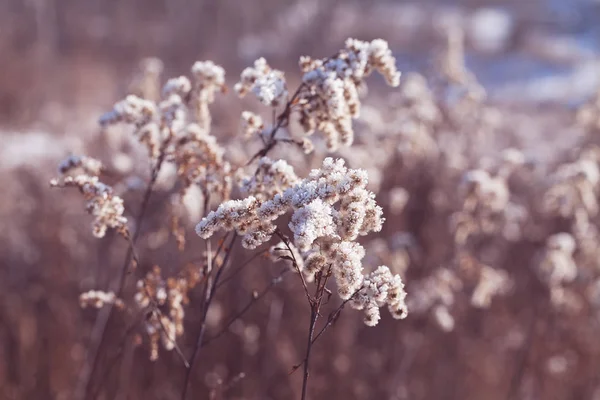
380	288
558	268
252	124
331	208
178	126
573	187
131	110
436	293
557	265
209	78
180	86
102	203
183	101
271	177
331	99
358	213
492	282
266	83
480	190
74	164
98	298
486	205
199	160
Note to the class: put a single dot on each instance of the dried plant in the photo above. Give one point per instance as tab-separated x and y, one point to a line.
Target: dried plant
307	200
328	210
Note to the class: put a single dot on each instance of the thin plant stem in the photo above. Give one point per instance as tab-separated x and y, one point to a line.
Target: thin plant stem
255	298
210	291
286	241
282	120
239	269
99	335
118	353
311	331
333	316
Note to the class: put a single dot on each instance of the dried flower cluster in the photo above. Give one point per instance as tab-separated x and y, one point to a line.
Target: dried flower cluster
271	178
324	232
167	297
98	298
328	99
73	165
436	293
106	207
379	288
266	83
331	97
252	124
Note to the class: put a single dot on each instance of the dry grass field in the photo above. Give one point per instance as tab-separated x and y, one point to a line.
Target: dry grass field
409	215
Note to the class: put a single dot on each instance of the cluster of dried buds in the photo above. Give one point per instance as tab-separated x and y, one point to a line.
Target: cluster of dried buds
102	203
331	208
166	298
570	259
177	128
328	98
98	299
436	293
573	187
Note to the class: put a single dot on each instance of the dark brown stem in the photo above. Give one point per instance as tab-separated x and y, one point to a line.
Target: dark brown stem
333	317
239	269
286	241
321	279
210	290
313	319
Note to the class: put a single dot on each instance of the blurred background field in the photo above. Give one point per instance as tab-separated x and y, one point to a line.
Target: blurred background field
65	62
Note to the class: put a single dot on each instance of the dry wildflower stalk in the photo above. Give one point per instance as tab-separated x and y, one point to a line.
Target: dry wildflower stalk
330	208
327	100
166	128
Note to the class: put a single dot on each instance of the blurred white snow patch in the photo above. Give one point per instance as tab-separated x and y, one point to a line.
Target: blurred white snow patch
579	83
560	49
21	149
490	29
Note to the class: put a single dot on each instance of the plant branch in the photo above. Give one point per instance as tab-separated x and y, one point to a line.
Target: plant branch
315	307
115	357
239	269
210	291
99	335
255	298
286	241
282	120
